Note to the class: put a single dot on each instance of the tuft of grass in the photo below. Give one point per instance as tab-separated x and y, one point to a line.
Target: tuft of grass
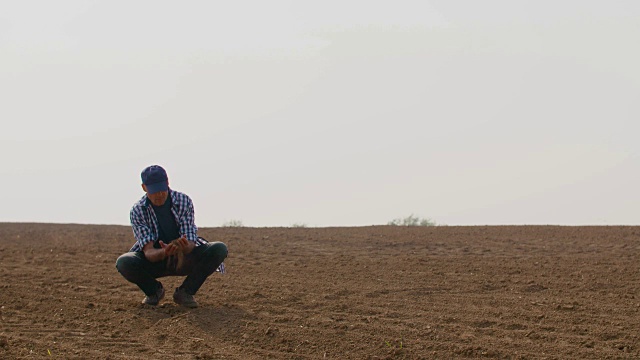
395	344
233	223
412	220
396	349
298	225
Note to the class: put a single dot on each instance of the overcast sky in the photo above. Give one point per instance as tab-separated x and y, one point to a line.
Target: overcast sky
324	113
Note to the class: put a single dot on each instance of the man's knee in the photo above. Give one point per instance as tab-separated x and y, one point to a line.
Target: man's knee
217	249
127	262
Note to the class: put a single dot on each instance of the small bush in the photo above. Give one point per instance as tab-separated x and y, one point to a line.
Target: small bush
412	220
299	225
233	223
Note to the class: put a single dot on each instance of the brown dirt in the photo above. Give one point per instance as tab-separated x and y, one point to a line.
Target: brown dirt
506	292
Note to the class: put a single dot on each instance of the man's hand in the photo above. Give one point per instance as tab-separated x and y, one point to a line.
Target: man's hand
185	246
175	251
170	249
182	247
154	255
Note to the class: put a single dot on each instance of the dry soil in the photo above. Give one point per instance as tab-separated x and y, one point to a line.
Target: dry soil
381	292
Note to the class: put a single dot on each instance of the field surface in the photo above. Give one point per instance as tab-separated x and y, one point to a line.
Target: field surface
381	292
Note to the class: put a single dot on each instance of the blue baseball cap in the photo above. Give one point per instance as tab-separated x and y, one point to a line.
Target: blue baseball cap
155	179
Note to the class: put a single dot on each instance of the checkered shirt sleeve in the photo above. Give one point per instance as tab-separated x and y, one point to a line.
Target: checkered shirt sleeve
185	215
144	225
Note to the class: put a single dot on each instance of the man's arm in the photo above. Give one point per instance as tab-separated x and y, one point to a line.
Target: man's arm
185	217
141	227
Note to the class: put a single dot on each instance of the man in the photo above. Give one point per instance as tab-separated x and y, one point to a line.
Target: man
167	243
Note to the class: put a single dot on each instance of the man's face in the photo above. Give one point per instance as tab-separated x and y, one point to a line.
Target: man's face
158	198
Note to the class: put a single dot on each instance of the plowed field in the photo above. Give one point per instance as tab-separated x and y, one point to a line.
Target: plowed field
380	292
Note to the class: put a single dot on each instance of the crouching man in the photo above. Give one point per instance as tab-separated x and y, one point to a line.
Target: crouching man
167	243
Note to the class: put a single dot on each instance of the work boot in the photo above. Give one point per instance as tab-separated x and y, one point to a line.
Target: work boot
155	298
181	297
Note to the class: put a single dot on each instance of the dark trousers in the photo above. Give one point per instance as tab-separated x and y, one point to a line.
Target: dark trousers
198	265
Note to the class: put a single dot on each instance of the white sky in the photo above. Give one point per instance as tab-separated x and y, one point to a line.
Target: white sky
332	113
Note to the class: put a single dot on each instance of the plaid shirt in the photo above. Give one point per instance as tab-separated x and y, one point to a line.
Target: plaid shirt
145	224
